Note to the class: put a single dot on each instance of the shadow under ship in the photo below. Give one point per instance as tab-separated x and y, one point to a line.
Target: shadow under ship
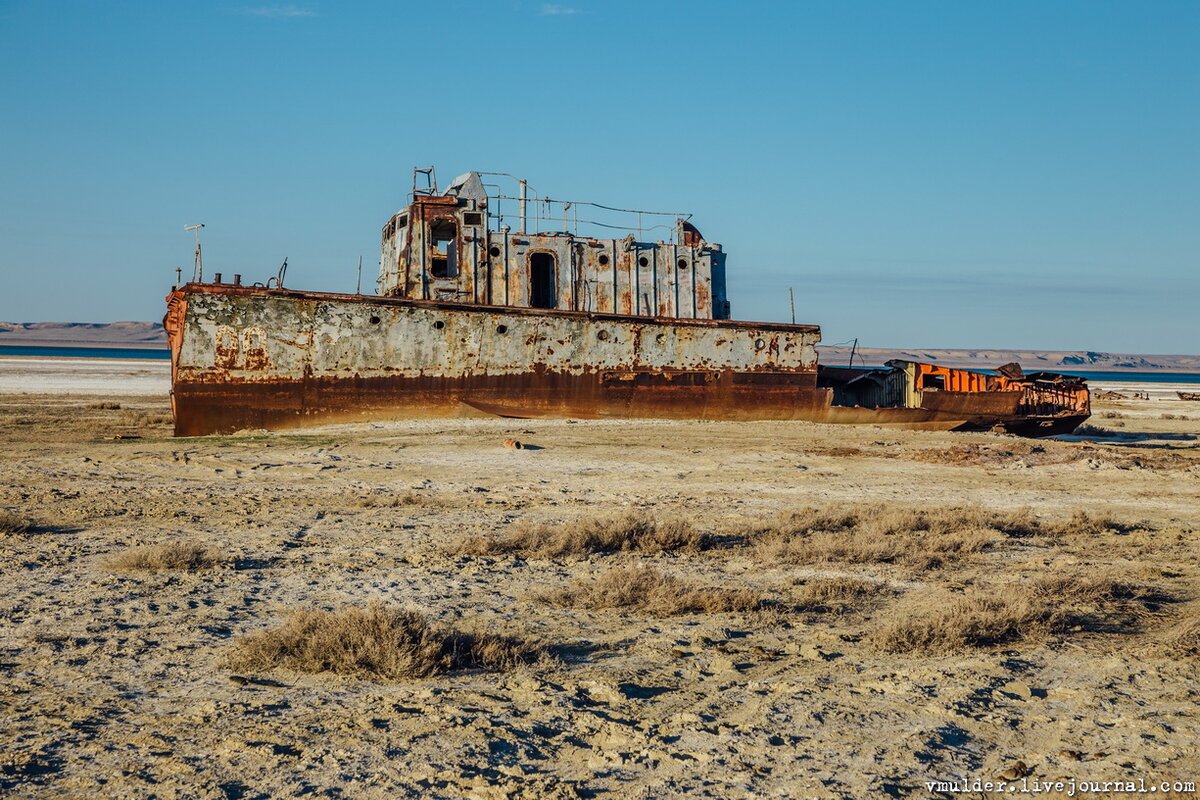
474	317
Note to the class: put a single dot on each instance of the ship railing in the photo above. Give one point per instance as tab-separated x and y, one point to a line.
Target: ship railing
533	213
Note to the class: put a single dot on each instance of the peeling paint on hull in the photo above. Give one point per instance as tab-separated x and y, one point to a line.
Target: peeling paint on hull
245	357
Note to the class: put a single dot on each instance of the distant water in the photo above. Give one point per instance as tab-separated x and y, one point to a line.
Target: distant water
1136	377
83	352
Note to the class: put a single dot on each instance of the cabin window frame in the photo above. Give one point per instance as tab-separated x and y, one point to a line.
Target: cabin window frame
552	301
443	264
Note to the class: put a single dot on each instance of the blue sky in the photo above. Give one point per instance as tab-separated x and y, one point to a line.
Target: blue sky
957	174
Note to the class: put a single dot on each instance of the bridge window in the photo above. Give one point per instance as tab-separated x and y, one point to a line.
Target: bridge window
541	280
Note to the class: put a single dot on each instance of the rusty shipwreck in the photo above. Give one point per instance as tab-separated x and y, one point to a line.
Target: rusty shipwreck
493	303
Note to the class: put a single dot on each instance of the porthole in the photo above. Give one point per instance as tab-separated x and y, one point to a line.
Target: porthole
603	259
501	329
494	252
375	320
439	324
602	336
643	262
759	344
682	263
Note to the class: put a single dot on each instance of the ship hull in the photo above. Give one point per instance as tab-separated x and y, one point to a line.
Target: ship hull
247	357
250	358
203	408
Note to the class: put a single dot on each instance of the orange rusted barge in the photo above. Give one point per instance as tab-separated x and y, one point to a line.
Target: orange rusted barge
474	316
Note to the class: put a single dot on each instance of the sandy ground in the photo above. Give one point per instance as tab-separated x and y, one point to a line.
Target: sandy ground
113	684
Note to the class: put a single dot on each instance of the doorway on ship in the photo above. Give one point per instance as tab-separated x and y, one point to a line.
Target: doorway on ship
541	280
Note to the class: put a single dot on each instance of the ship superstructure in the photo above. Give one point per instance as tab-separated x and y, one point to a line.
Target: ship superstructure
459	246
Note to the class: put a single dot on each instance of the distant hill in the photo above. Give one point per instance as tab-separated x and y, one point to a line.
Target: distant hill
1030	360
84	334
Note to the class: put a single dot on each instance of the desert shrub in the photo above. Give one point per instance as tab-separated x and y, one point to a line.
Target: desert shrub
834	594
1101	602
654	593
1094	589
186	555
1181	640
924	537
1081	523
1014	612
1112	415
632	532
941	627
392	500
881	534
14	523
107	406
377	641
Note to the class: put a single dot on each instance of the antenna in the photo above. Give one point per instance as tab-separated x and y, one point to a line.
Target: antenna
852	350
358	286
198	269
792	300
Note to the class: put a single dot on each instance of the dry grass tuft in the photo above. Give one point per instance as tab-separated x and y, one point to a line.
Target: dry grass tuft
835	594
979	620
106	406
1095	589
1182	640
921	537
630	533
654	593
189	556
882	534
14	523
392	500
377	641
1081	523
1016	612
1100	602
